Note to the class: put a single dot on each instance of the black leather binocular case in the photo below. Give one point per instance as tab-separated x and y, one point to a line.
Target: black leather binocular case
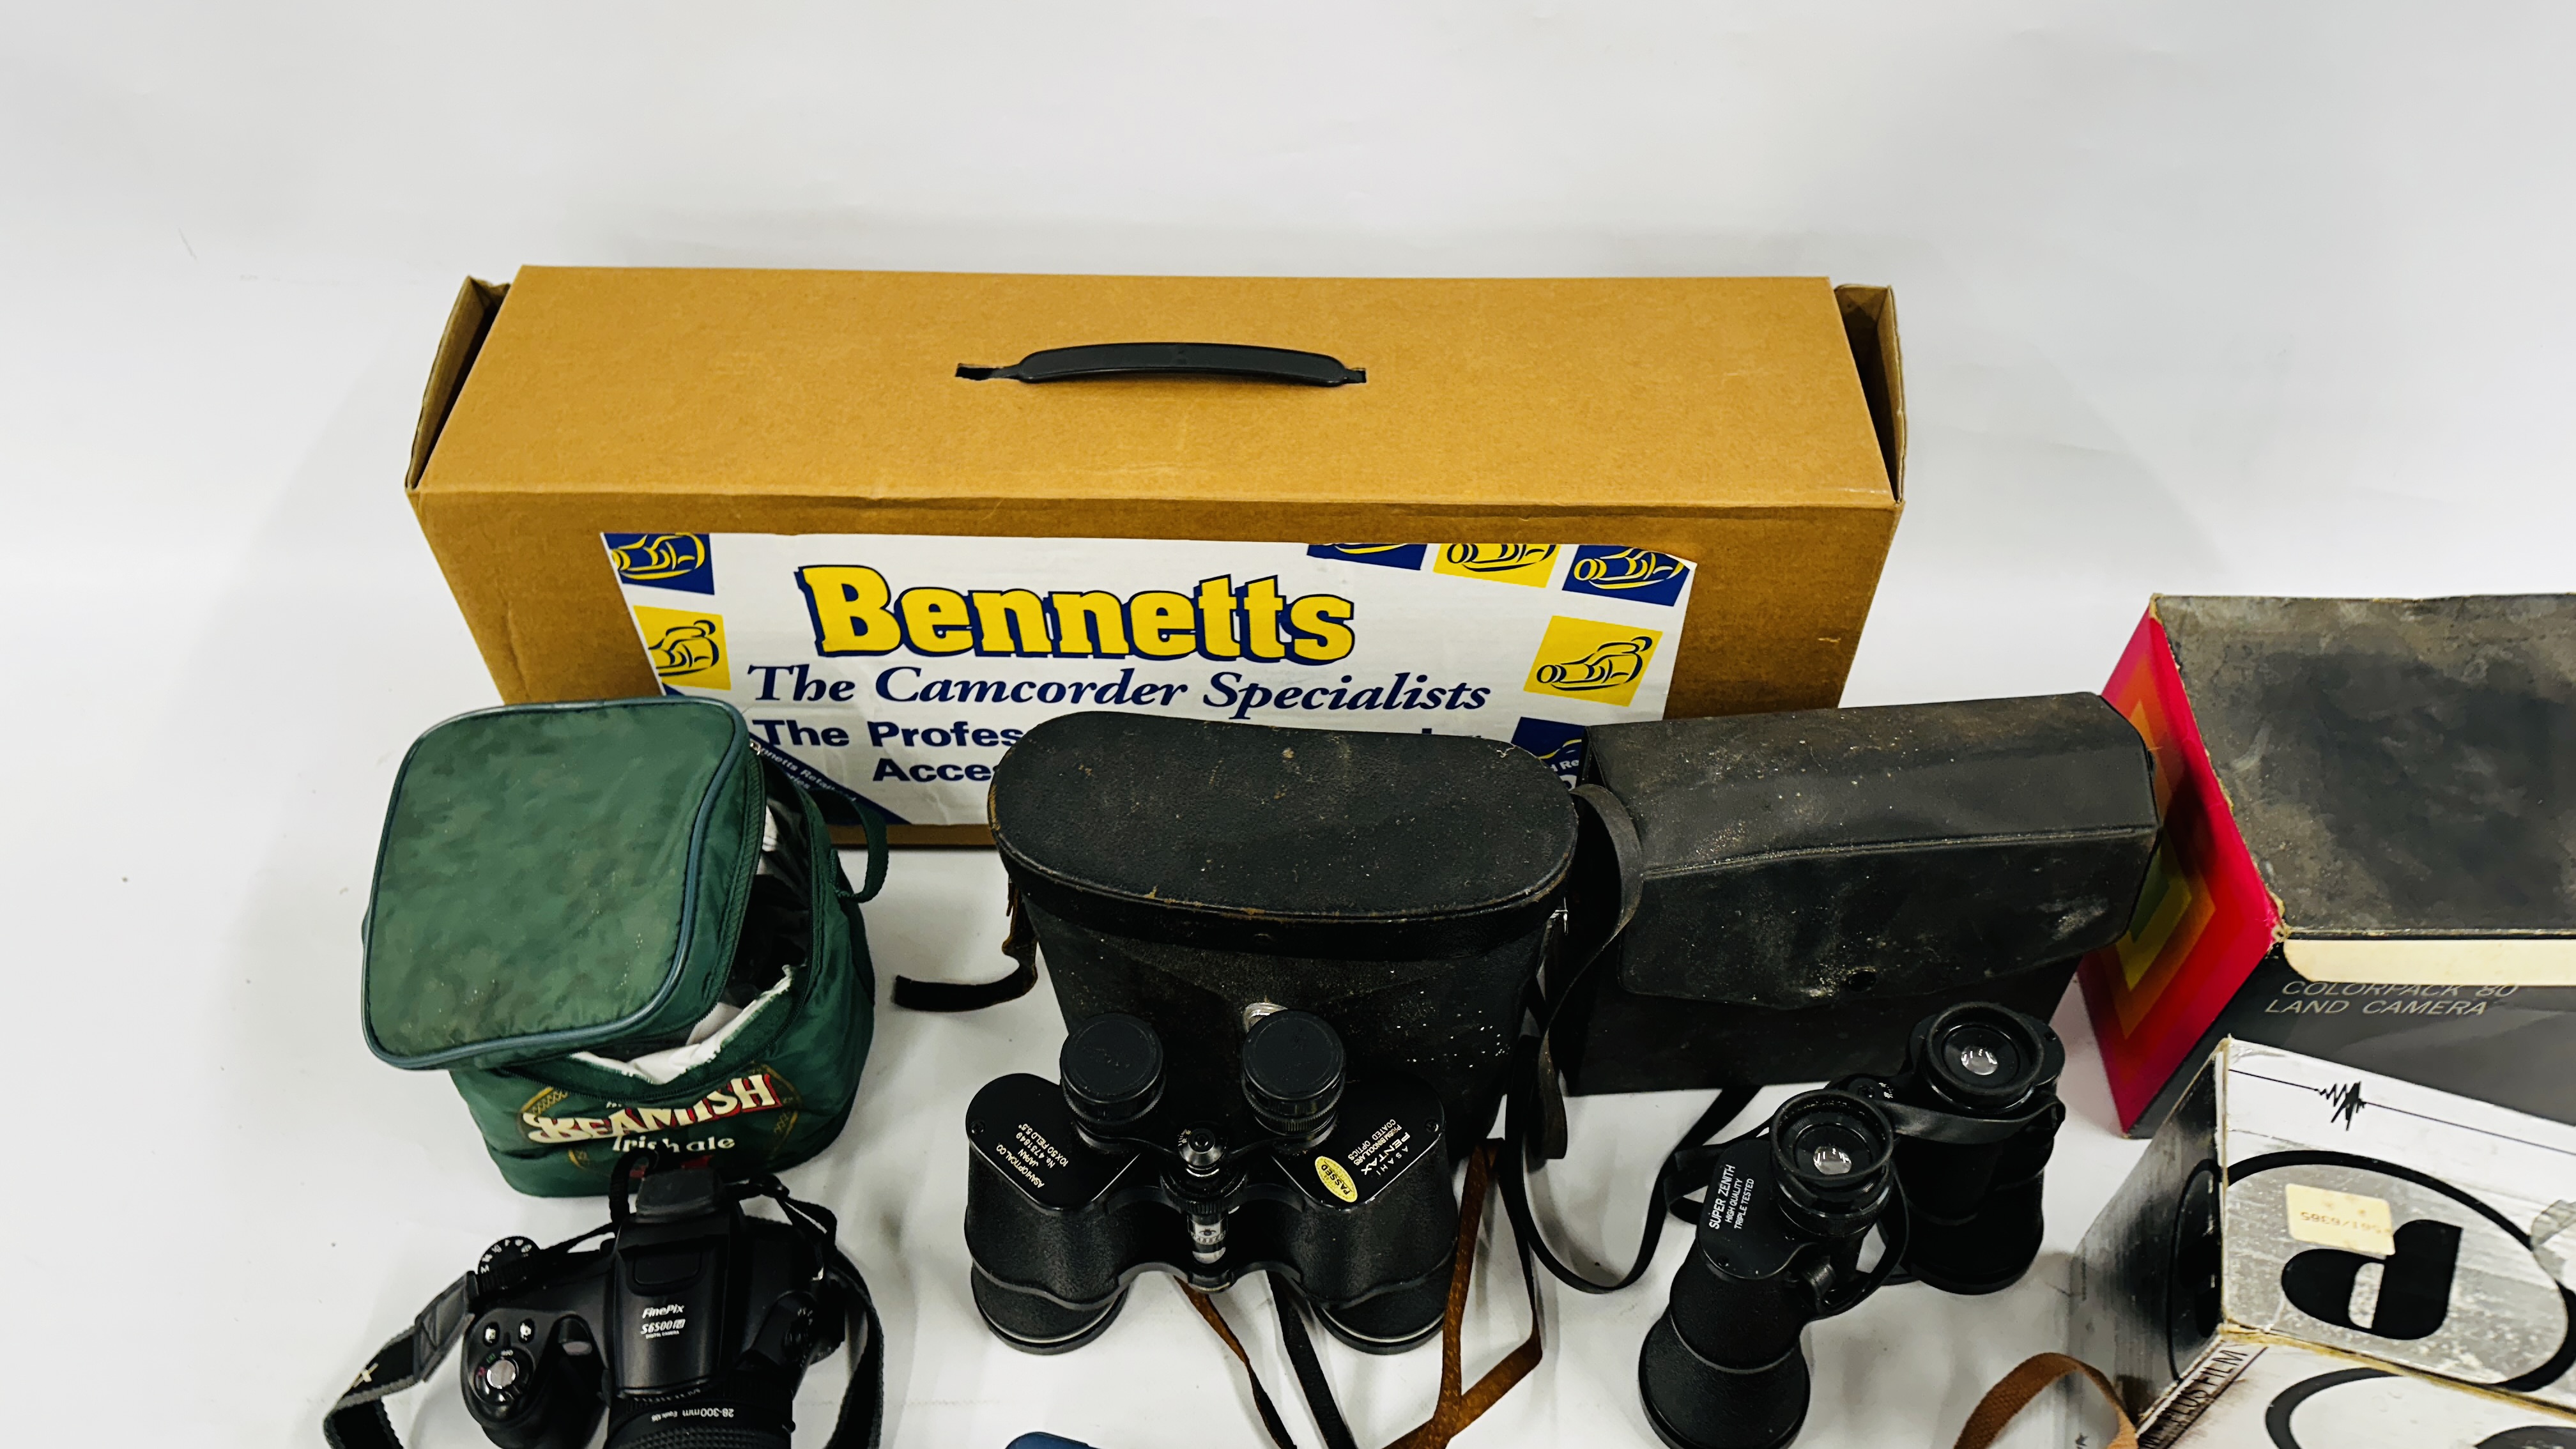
1945	1159
1191	873
1292	966
1807	886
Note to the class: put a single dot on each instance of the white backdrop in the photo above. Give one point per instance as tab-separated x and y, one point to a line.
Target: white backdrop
2195	297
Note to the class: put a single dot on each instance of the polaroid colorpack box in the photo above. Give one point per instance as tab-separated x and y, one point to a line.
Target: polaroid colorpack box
2293	1210
2369	845
828	498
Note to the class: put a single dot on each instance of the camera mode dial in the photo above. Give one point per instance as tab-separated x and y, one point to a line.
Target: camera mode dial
502	1254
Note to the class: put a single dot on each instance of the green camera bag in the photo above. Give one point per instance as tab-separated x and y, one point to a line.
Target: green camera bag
616	926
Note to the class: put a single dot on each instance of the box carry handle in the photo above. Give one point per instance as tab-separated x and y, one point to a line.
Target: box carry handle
1172	359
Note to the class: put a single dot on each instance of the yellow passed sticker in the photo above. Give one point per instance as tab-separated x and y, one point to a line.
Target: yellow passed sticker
2345	1220
1337	1179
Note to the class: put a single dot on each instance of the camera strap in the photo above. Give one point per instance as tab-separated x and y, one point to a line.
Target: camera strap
1459	1405
862	1417
357	1419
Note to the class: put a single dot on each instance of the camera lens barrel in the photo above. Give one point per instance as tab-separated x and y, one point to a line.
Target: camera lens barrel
1292	1074
1112	1070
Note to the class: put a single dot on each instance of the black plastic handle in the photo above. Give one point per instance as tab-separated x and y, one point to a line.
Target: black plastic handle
1197	359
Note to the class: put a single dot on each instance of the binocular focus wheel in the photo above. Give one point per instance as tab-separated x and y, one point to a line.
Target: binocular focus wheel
1033	1324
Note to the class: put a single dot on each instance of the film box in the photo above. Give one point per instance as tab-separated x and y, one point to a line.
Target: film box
824	497
2300	1231
2369	845
2288	1396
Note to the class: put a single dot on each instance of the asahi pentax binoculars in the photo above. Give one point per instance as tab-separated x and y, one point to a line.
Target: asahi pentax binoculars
1341	1188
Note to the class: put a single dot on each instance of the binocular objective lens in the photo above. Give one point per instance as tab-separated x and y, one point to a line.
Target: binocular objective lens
1830	1160
1980	1061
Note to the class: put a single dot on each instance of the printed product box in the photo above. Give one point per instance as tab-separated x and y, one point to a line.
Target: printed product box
2292	1209
2369	845
2263	1395
826	497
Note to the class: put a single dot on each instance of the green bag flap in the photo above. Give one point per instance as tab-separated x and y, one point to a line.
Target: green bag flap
555	878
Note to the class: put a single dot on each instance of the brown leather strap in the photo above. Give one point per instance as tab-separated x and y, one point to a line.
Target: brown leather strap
1457	1407
1457	1410
2014	1391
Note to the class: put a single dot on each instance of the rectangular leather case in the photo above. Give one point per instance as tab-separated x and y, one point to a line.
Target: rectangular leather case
1192	873
1816	881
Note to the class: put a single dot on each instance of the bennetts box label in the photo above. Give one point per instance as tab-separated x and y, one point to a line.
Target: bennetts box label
898	668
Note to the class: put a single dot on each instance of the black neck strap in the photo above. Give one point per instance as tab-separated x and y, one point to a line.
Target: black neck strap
1674	1183
1956	1129
1603	898
1021	946
358	1420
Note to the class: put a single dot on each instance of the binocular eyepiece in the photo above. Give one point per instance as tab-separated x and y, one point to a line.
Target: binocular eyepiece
1945	1160
1292	1075
1984	1058
1112	1071
1832	1157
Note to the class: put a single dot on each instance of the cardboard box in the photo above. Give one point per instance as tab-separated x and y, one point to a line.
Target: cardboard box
2369	847
2290	1202
2258	1395
1658	496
